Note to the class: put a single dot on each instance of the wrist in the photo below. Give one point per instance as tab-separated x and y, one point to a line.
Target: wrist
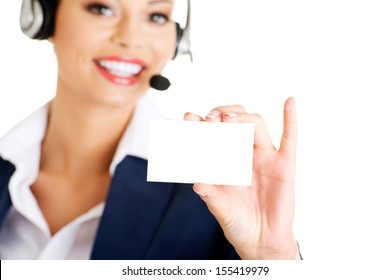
290	252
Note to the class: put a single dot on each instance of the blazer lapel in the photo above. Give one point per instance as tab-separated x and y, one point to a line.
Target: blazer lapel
132	213
6	171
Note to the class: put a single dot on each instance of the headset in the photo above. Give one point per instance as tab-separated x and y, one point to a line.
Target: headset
37	20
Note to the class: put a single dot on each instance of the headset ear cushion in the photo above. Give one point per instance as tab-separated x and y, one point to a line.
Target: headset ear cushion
49	9
179	36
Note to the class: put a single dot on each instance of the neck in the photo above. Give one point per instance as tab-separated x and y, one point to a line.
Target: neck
81	139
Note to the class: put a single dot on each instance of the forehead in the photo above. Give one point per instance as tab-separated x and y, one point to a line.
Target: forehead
128	3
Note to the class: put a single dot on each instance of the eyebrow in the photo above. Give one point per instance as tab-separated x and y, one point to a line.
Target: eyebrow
160	1
156	1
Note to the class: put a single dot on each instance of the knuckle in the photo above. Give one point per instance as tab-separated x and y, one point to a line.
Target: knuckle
237	108
219	108
258	117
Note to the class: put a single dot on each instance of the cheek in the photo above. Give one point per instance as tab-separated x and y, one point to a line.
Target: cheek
165	49
67	37
75	49
73	32
72	54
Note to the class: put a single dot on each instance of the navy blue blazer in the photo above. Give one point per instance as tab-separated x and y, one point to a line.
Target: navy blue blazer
146	220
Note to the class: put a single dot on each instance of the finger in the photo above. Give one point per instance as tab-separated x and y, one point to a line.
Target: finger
262	137
288	143
192	117
214	197
216	114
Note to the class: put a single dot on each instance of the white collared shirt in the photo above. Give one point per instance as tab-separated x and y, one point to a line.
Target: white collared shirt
25	233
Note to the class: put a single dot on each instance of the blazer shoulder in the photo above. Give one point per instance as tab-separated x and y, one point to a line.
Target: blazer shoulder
6	171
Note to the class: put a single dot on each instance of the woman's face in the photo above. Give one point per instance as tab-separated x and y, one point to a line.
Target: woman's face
107	50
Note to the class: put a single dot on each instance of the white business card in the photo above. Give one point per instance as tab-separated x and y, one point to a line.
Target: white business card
203	152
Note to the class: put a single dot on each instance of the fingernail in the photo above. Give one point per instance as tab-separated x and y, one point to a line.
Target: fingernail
213	115
230	115
200	193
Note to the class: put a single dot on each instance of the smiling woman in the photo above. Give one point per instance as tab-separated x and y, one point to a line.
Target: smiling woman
73	174
117	48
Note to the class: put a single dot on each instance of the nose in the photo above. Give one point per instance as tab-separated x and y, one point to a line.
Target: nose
128	34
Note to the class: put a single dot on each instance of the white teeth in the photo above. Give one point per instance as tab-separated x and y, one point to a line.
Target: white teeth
121	69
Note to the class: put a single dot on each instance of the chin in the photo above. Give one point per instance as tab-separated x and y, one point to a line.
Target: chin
122	98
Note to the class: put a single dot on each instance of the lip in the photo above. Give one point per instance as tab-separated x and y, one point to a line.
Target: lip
123	81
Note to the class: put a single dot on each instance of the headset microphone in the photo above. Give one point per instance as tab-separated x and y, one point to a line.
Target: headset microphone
159	82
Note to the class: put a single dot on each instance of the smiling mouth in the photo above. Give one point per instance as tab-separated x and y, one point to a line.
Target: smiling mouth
119	71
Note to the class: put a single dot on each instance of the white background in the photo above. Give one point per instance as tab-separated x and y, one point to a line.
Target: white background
333	56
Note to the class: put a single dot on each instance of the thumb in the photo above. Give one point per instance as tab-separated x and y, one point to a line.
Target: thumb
215	198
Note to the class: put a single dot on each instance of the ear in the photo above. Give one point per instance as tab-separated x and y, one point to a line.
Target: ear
37	18
31	17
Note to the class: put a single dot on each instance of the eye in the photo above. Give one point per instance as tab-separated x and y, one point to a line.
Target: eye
159	18
100	9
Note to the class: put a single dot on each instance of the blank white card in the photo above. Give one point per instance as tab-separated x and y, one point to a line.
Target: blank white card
203	152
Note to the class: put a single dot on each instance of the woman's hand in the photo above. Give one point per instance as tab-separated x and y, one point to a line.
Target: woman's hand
257	220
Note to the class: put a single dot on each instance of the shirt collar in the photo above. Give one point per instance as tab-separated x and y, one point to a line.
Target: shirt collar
135	140
26	135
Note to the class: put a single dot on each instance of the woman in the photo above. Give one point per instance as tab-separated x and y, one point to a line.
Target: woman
73	175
